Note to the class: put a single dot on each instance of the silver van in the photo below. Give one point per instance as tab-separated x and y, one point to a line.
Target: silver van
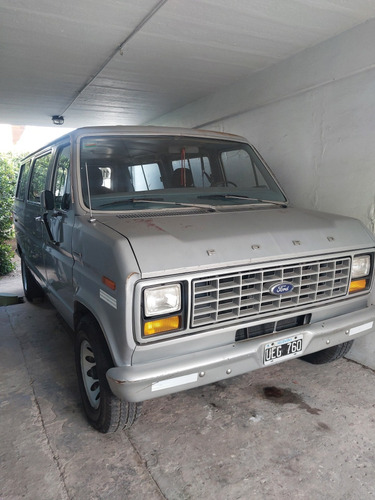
176	259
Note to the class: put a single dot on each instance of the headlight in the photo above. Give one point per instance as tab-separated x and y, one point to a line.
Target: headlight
162	300
361	266
360	277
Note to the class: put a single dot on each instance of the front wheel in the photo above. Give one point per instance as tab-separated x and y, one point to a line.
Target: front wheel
104	411
328	355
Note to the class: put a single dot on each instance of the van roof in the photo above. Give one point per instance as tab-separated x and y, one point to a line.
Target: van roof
141	131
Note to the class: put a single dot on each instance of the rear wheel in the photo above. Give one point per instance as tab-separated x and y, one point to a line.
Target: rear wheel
31	287
328	355
104	411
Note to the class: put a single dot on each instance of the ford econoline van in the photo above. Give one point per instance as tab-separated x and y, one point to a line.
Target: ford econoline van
176	259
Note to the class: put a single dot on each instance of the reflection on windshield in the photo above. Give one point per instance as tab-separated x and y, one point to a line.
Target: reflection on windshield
118	171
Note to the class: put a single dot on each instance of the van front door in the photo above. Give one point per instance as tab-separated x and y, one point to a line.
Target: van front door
59	258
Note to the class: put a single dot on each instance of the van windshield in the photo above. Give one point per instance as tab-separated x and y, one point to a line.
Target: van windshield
148	172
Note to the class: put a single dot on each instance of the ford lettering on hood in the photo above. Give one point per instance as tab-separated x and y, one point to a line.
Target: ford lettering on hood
182	243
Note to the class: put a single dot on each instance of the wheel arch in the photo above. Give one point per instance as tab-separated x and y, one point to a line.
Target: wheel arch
105	411
80	311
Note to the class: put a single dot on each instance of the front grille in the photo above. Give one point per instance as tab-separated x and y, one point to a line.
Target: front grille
227	297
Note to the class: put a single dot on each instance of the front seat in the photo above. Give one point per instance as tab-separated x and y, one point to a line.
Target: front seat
182	177
96	182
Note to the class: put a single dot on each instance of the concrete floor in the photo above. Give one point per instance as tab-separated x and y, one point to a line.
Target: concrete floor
291	431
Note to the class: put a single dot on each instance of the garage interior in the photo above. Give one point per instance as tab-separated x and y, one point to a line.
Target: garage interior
297	78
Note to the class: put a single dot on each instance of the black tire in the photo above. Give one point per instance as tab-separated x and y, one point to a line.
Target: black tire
328	355
104	411
31	287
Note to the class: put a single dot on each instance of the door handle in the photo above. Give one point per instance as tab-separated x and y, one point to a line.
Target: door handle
39	219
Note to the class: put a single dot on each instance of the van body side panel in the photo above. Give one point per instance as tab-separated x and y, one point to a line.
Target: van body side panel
102	258
34	248
59	264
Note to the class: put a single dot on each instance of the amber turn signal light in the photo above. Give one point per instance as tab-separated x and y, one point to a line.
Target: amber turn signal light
357	286
162	325
109	283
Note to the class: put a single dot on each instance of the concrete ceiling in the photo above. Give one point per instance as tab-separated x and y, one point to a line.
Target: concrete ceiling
129	62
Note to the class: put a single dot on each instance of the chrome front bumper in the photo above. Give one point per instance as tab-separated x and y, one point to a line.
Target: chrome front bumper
147	381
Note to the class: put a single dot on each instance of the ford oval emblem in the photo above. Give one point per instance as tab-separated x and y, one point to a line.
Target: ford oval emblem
281	288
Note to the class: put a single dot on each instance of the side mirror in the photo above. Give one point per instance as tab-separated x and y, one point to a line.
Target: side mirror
47	200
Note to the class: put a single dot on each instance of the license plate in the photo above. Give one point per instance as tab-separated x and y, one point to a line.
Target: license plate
282	349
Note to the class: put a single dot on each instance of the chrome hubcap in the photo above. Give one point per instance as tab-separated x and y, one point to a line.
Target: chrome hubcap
89	374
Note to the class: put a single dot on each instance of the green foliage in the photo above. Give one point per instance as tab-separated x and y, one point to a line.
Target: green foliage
6	256
8	178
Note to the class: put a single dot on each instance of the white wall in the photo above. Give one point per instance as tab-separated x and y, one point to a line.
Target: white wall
321	145
312	117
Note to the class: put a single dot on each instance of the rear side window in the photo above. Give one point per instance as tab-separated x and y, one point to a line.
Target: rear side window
243	169
22	180
200	170
38	177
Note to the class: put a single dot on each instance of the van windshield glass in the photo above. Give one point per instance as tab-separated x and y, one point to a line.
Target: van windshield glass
118	171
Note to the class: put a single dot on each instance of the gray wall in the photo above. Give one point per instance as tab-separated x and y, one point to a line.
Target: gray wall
312	117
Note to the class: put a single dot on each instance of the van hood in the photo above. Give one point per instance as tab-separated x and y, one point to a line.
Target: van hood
181	243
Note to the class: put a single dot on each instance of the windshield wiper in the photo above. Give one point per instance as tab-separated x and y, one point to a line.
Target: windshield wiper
259	200
203	206
246	198
127	200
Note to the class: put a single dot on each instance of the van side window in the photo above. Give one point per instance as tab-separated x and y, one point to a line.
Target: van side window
22	180
146	177
241	169
200	170
61	183
38	177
